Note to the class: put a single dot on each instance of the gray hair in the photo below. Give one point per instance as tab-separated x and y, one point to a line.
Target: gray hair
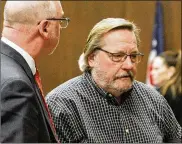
28	12
94	39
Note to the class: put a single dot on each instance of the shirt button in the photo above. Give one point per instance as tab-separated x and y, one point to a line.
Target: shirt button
110	95
127	131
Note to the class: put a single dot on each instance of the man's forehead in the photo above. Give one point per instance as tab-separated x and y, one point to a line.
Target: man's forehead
122	44
120	35
59	8
127	43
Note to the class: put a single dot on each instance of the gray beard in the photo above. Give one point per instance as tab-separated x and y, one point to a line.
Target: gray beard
99	78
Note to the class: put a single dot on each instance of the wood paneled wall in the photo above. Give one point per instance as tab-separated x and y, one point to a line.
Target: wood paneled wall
63	64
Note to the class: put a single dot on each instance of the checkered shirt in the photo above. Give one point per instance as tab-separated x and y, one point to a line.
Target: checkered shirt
84	112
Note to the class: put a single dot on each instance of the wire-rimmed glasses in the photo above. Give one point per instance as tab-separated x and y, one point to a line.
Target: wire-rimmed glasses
63	21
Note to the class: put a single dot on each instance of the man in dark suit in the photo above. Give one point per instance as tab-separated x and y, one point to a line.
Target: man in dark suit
31	29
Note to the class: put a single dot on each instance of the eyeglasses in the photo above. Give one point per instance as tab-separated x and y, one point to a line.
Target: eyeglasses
121	57
63	21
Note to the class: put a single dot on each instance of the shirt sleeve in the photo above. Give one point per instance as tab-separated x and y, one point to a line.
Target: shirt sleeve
66	118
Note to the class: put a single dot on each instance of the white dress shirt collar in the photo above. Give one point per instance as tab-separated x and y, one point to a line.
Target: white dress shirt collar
30	61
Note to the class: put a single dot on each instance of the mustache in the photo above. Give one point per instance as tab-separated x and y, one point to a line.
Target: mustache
128	74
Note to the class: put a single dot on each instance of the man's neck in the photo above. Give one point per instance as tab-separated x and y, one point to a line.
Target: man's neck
22	40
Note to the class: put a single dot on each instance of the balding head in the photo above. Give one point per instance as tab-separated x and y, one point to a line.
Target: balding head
26	25
28	12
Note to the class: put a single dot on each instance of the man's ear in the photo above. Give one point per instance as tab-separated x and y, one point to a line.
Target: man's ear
43	28
91	59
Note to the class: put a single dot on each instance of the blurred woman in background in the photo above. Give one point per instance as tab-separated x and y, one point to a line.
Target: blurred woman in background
166	76
163	68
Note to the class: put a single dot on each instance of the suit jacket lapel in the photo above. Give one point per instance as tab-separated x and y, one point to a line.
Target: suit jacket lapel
10	52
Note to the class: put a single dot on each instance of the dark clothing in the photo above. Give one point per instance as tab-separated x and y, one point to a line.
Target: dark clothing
24	118
84	112
176	104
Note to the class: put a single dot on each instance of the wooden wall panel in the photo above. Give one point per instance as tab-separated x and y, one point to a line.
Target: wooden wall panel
62	65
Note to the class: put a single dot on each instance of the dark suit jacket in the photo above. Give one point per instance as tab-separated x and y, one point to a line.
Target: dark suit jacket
24	118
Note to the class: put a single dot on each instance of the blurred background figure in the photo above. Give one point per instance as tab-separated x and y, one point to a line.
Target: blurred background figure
166	76
163	68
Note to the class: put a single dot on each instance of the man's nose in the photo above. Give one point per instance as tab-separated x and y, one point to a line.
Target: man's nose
127	64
